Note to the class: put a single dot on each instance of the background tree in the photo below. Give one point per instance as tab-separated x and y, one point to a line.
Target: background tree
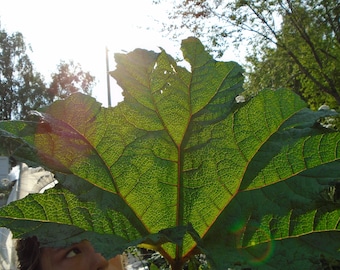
21	88
68	79
306	60
287	39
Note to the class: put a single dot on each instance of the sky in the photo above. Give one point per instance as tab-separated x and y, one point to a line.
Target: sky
81	30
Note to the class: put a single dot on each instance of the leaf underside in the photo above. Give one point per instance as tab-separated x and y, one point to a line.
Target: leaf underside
181	166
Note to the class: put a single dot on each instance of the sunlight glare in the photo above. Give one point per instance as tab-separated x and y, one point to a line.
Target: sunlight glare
81	30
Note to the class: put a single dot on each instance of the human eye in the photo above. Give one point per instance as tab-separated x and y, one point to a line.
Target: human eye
73	252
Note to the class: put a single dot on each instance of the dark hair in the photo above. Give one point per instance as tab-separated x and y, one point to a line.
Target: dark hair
28	251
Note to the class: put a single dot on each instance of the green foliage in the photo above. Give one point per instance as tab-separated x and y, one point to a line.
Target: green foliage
291	43
180	167
305	58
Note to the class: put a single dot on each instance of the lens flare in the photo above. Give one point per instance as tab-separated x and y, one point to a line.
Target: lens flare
262	250
254	243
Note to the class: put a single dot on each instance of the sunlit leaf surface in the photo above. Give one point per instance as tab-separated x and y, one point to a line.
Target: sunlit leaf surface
180	166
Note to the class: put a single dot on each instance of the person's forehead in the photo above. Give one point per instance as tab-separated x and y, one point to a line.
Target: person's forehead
52	254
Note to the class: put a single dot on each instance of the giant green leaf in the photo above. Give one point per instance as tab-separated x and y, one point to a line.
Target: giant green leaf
181	167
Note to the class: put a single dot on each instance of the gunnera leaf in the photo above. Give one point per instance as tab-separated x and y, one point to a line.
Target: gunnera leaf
183	168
